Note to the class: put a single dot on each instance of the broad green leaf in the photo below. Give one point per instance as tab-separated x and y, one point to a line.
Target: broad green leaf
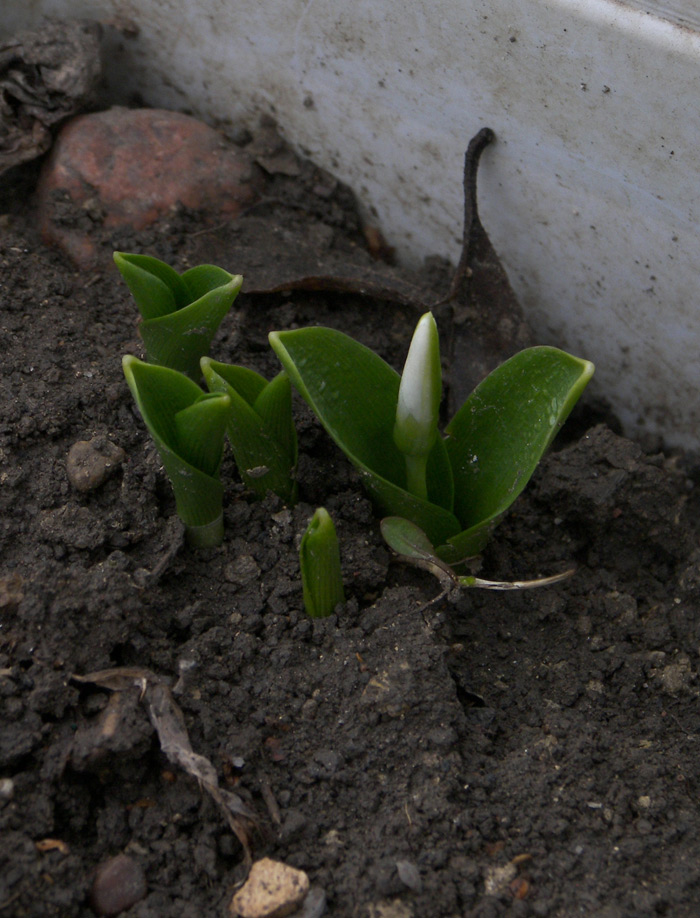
163	396
499	435
354	394
264	443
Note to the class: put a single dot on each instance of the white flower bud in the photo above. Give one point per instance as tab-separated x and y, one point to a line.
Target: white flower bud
415	430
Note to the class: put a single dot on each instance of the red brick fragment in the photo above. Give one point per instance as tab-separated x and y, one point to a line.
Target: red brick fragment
130	167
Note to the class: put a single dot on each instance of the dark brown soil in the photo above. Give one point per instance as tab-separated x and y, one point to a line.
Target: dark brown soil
531	754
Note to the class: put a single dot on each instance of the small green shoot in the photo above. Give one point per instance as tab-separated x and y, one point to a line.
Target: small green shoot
187	426
457	489
319	560
412	545
260	426
180	312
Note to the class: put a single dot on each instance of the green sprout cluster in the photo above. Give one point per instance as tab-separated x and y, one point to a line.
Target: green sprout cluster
180	316
441	494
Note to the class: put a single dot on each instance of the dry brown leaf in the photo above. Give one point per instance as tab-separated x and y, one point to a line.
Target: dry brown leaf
169	723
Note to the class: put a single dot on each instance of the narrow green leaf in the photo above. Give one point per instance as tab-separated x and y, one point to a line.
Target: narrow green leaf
319	561
499	435
354	394
265	461
160	394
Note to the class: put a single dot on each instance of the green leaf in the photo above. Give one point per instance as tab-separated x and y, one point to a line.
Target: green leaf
466	544
407	539
411	544
260	426
202	279
181	313
499	435
319	561
247	383
274	405
177	414
354	394
156	287
200	431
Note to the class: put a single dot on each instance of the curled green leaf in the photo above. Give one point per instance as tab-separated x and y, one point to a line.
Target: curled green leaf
187	426
260	426
180	312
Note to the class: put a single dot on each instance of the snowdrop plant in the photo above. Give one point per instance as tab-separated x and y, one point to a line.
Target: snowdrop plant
455	487
187	426
180	312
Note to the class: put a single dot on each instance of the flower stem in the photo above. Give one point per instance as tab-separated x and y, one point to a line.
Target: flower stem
416	467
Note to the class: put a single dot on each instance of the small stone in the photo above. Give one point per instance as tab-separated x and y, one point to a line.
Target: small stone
496	879
390	908
131	167
676	676
391	691
242	570
409	875
314	904
119	883
91	462
272	890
